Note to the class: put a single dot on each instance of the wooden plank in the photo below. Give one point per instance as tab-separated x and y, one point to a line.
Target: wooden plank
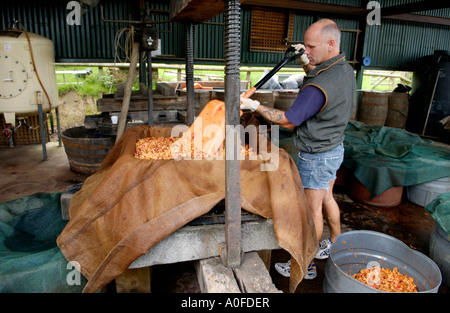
399	12
201	242
195	11
310	6
419	18
214	277
253	276
414	7
166	89
159	103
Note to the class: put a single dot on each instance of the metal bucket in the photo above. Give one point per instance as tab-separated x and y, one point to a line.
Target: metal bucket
84	151
440	251
352	251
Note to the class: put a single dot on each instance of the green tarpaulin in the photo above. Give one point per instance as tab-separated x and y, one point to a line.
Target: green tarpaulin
439	209
384	157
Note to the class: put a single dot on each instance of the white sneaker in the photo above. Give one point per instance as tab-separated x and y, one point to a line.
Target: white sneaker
324	249
284	268
311	272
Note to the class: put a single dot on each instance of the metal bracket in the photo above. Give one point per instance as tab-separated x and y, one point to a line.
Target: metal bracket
222	246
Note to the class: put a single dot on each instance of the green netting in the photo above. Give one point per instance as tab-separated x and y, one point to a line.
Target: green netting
30	260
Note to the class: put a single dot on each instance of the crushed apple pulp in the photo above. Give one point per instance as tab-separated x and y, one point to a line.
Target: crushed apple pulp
386	279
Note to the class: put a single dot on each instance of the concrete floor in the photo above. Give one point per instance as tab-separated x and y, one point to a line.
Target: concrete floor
24	172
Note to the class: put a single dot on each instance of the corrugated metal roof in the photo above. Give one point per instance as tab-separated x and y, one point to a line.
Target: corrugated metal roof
209	37
392	45
397	44
93	39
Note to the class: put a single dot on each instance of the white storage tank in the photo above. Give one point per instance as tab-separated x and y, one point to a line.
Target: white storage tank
18	80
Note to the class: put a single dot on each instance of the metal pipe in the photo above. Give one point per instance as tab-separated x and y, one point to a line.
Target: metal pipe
232	118
58	127
142	76
41	125
150	88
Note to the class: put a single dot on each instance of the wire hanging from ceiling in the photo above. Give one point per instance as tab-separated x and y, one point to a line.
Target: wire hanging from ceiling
123	42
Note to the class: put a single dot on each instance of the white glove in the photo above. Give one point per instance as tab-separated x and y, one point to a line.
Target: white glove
303	60
249	104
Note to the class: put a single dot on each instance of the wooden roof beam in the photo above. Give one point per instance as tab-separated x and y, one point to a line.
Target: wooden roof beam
402	12
414	7
420	18
399	12
309	6
195	11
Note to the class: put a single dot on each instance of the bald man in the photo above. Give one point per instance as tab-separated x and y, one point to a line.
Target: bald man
319	117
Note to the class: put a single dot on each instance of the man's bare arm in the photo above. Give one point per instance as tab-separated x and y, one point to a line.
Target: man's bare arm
275	116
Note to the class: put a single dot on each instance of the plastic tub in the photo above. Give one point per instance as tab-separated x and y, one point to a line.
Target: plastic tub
440	251
353	250
423	194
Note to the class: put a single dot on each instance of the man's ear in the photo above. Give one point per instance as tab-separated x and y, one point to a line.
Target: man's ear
331	44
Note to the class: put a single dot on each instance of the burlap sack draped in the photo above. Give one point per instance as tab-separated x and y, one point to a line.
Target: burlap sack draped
129	205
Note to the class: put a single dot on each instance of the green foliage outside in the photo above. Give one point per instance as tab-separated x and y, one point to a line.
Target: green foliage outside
93	85
99	83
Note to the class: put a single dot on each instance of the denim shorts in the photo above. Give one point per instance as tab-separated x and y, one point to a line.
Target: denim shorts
318	169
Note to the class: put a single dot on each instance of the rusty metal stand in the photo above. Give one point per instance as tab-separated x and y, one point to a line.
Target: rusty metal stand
41	125
232	118
190	110
58	127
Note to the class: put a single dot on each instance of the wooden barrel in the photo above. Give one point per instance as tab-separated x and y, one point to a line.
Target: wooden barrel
283	99
398	106
373	108
85	153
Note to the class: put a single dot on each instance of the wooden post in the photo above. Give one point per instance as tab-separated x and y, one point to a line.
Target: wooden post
128	89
